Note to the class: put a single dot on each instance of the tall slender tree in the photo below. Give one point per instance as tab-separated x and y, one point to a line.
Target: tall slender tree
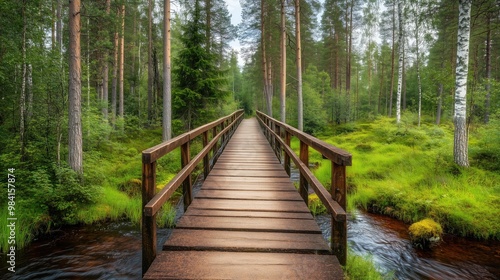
122	62
460	150
167	84
300	108
283	63
400	53
75	147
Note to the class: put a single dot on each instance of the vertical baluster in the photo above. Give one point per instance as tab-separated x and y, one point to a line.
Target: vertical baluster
148	223
304	157
287	157
339	229
186	185
206	162
214	149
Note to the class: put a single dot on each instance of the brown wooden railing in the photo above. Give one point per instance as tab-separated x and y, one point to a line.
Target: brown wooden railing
222	130
279	135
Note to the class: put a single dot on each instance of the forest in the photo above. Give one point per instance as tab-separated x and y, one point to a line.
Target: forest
405	85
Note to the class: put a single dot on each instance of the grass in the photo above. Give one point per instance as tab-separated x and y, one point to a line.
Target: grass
362	268
408	173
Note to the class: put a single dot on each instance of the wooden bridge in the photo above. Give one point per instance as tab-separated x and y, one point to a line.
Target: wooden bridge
248	220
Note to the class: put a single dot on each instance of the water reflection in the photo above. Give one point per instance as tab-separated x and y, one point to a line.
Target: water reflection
387	240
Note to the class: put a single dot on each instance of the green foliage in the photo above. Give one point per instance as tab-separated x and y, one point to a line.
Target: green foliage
408	173
362	268
315	205
61	192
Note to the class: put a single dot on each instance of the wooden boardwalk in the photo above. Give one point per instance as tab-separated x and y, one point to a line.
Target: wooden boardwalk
247	222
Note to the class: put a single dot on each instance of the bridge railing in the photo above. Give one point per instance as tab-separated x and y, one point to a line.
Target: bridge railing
221	130
279	135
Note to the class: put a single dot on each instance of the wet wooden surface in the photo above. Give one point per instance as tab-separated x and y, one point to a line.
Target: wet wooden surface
247	222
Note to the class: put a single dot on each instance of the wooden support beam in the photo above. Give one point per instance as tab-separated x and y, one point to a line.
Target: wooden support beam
339	228
148	223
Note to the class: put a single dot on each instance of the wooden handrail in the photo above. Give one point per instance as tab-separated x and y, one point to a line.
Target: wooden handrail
222	129
278	135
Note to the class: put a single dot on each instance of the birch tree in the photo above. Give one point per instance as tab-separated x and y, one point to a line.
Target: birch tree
460	148
75	148
400	53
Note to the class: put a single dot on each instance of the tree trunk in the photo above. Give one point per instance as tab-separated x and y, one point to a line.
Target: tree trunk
400	70
487	100
115	79
283	64
59	35
105	74
150	62
167	84
22	101
392	55
300	109
208	35
266	65
75	149
460	151
122	57
440	104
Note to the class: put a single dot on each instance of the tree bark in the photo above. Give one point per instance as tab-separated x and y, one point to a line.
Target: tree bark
460	149
105	74
122	57
283	64
150	62
266	65
115	79
392	55
400	70
75	148
167	84
487	100
300	109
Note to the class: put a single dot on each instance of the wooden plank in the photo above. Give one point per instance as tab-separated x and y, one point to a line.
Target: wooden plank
249	180
248	166
258	214
251	186
241	265
248	195
260	173
237	241
250	205
249	224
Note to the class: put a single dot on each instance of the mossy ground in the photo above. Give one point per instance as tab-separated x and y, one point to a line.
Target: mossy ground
408	172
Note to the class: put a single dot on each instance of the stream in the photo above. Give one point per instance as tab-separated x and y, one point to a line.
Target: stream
113	251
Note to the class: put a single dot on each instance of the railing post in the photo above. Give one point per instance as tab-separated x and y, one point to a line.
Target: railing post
214	149
277	151
148	223
206	162
339	229
287	157
304	157
187	188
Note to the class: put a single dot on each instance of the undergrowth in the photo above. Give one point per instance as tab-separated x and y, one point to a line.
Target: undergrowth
408	172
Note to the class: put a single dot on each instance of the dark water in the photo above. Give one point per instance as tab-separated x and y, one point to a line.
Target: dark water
114	252
387	240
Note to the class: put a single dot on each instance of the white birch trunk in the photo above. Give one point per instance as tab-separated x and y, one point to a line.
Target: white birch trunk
400	66
122	62
75	149
105	75
460	150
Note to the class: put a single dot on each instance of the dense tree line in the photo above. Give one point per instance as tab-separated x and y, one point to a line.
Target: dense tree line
333	61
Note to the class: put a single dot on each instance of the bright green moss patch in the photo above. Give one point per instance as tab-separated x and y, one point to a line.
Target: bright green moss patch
425	232
315	205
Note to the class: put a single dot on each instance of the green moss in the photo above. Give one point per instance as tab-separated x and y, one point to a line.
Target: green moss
425	232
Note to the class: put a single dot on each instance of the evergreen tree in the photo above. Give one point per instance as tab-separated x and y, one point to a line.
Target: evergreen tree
199	83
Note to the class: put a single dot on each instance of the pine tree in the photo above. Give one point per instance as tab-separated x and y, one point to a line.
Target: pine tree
199	86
